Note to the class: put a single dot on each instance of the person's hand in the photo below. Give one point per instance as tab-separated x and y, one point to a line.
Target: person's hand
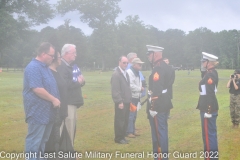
142	89
153	113
121	106
81	79
206	115
56	103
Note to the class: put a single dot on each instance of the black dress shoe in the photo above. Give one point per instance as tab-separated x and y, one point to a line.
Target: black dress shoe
122	141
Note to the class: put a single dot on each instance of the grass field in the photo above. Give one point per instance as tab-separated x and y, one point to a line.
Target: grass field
95	118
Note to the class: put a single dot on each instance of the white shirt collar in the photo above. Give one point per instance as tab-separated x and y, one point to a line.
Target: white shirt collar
123	72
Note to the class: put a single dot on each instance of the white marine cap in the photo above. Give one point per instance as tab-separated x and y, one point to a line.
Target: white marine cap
209	57
154	49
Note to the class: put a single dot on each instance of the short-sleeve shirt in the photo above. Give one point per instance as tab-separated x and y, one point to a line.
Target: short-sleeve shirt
232	89
38	110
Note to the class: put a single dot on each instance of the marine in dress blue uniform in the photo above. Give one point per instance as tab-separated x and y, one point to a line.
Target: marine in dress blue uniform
208	105
159	103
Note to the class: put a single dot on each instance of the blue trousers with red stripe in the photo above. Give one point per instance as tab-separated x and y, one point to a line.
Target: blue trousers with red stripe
159	129
209	136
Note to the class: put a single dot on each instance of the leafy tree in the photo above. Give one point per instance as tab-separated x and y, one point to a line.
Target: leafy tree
28	12
198	41
15	18
99	15
8	32
103	47
173	42
132	36
154	36
96	13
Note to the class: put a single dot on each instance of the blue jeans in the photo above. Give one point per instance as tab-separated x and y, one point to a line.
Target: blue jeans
132	117
131	122
38	135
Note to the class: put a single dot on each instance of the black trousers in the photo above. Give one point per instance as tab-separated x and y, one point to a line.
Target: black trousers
121	121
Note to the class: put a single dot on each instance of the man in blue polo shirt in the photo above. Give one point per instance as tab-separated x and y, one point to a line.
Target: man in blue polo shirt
40	98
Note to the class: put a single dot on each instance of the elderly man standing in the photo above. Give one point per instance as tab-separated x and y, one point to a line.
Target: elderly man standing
136	88
160	103
74	84
130	57
121	95
40	97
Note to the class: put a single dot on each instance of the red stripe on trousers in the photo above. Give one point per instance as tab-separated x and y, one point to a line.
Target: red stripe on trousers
206	136
158	137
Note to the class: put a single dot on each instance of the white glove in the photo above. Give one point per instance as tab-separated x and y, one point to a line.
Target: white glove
153	113
149	93
150	100
139	106
206	115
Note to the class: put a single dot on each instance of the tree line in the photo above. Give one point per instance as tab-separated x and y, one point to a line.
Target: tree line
109	40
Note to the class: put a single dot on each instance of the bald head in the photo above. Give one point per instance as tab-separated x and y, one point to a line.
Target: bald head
123	62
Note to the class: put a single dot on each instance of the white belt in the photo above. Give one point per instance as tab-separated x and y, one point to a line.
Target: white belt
203	87
164	91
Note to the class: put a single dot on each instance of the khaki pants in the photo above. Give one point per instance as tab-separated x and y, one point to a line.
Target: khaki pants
70	122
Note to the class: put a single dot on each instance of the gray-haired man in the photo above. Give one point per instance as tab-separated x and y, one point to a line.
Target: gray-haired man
74	91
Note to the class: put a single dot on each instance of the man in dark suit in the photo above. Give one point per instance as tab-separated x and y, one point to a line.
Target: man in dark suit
121	95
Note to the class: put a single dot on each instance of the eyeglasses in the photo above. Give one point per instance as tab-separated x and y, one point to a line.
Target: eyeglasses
125	62
50	55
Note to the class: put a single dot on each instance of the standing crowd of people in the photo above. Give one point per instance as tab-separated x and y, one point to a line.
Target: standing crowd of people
127	90
52	94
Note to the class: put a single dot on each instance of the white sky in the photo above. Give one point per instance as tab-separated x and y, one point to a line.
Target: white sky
186	15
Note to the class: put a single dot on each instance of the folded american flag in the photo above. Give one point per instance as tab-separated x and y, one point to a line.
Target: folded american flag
76	72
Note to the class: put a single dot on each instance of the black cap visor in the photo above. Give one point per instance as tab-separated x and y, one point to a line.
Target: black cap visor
149	52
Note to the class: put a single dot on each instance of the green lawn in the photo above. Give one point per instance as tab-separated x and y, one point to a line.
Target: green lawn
95	118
